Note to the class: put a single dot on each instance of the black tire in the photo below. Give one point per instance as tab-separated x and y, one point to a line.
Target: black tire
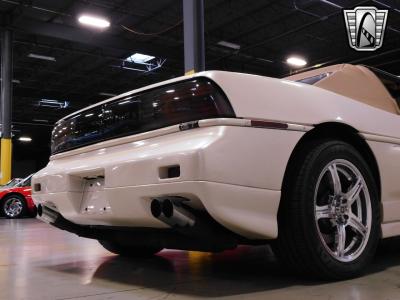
128	250
5	204
299	245
33	213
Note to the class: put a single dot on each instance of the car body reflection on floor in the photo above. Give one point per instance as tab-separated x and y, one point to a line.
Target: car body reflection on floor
40	262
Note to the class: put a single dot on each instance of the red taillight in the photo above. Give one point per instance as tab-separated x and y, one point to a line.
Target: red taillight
181	102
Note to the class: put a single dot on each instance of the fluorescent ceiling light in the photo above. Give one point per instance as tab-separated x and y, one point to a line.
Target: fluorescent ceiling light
139	58
107	94
42	57
296	61
49	101
26	139
229	45
53	103
93	21
40	120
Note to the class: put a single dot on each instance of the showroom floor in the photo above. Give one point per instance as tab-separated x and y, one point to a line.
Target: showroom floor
40	262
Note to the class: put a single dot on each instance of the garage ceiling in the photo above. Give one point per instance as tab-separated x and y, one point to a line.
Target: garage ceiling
88	63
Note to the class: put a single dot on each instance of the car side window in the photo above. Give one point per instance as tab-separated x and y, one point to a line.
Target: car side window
314	79
393	87
28	182
25	182
391	83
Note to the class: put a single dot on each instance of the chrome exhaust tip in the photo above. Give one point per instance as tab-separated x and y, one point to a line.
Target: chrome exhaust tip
196	226
40	210
171	213
47	214
155	208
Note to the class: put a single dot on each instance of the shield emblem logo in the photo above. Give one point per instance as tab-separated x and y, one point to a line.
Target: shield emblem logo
365	27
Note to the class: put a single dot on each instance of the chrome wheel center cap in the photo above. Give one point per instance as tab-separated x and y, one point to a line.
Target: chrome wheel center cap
340	209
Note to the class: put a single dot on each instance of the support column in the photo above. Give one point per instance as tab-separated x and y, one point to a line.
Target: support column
5	105
193	29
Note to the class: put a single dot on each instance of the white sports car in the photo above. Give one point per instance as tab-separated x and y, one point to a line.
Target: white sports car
309	164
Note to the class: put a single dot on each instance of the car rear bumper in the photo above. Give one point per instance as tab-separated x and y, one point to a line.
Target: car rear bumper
234	173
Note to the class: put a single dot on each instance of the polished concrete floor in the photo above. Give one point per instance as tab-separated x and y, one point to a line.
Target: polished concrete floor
40	262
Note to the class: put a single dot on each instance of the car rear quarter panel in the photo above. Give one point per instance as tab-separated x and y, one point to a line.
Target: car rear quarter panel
287	101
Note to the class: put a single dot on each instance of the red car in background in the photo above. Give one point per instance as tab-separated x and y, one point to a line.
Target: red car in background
16	201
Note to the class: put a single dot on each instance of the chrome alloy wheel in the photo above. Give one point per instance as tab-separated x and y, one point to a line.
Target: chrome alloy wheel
342	208
13	207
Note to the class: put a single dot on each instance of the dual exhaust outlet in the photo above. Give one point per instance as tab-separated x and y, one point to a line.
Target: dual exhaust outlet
172	213
197	226
46	214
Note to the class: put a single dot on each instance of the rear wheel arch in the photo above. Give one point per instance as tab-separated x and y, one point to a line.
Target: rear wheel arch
348	195
337	131
12	194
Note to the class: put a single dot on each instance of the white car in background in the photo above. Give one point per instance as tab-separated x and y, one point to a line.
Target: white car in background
309	163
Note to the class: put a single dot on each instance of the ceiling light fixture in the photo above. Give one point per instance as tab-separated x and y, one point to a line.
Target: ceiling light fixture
42	57
94	21
25	139
296	61
53	103
229	45
139	58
